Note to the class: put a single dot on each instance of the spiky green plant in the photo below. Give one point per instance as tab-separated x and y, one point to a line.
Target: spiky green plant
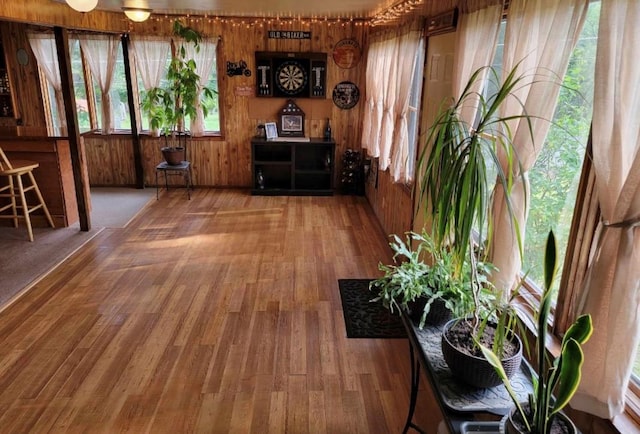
456	168
558	378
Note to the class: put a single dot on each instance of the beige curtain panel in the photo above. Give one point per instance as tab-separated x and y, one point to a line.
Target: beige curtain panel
611	293
540	37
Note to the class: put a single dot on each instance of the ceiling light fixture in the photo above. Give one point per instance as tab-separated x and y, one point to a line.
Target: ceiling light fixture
82	5
137	14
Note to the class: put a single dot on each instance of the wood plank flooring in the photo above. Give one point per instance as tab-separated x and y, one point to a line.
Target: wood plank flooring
216	315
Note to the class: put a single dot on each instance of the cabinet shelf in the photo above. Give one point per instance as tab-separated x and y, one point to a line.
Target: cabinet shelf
292	168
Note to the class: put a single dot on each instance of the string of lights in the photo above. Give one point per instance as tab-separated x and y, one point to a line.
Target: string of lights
393	13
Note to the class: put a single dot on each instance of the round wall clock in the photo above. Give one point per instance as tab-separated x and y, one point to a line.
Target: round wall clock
291	77
346	95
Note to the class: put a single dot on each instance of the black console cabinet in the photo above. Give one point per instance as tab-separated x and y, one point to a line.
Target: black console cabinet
292	166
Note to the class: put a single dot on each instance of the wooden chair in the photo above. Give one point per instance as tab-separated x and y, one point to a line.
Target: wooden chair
15	190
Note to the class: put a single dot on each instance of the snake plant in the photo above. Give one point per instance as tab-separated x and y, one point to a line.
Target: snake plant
558	378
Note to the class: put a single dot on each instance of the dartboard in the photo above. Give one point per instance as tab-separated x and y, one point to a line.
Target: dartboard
291	77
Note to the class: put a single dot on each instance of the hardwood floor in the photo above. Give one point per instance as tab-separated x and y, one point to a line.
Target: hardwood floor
220	314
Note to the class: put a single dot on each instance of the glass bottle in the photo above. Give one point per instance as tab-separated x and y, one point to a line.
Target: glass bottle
260	179
327	130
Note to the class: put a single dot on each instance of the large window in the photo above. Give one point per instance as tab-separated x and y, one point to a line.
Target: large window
554	177
88	96
152	57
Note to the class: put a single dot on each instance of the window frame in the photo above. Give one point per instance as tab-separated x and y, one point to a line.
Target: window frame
92	105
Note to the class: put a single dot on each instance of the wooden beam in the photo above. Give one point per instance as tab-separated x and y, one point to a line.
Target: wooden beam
78	160
135	136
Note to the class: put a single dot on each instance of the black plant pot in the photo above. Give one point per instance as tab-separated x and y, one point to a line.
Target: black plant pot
438	312
475	370
512	423
173	156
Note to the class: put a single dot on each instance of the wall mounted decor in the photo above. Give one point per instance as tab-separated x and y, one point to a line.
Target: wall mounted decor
302	75
291	120
238	68
347	53
442	23
289	34
346	95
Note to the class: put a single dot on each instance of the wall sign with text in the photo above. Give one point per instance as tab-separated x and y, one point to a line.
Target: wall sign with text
300	75
289	34
346	53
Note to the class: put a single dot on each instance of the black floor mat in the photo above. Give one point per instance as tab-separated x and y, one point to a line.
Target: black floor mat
366	319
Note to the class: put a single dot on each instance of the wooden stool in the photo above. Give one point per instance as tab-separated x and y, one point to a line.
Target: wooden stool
15	189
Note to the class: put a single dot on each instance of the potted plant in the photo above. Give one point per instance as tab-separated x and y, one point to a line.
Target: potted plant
429	292
558	378
458	170
169	105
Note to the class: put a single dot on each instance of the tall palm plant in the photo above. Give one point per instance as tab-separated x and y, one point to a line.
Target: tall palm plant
457	167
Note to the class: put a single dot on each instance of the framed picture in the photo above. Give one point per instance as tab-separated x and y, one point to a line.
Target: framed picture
271	130
291	123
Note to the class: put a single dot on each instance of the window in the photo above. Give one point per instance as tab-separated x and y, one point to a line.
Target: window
154	54
79	86
414	109
555	175
119	103
88	95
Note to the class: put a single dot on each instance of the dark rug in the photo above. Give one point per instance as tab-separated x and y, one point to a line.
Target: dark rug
366	319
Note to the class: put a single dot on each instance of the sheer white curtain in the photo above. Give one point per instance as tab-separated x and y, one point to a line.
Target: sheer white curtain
408	47
611	293
100	52
205	59
540	36
476	42
151	56
378	92
388	84
373	56
46	54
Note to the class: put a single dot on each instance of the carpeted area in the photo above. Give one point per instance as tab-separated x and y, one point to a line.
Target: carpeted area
22	263
366	319
113	207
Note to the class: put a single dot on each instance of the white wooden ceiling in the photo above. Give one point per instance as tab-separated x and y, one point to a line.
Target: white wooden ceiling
257	8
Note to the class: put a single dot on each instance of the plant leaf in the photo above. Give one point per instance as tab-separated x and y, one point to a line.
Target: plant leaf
580	330
570	374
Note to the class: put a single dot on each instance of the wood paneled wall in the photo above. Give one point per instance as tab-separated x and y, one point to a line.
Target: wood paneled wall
392	203
25	84
224	161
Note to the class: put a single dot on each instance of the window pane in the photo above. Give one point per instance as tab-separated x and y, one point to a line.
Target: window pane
118	92
144	118
555	175
414	109
80	91
212	120
119	101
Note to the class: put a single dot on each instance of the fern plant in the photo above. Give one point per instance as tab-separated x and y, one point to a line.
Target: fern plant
410	277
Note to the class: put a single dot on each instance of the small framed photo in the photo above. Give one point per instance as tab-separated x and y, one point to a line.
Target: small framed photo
271	130
292	124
